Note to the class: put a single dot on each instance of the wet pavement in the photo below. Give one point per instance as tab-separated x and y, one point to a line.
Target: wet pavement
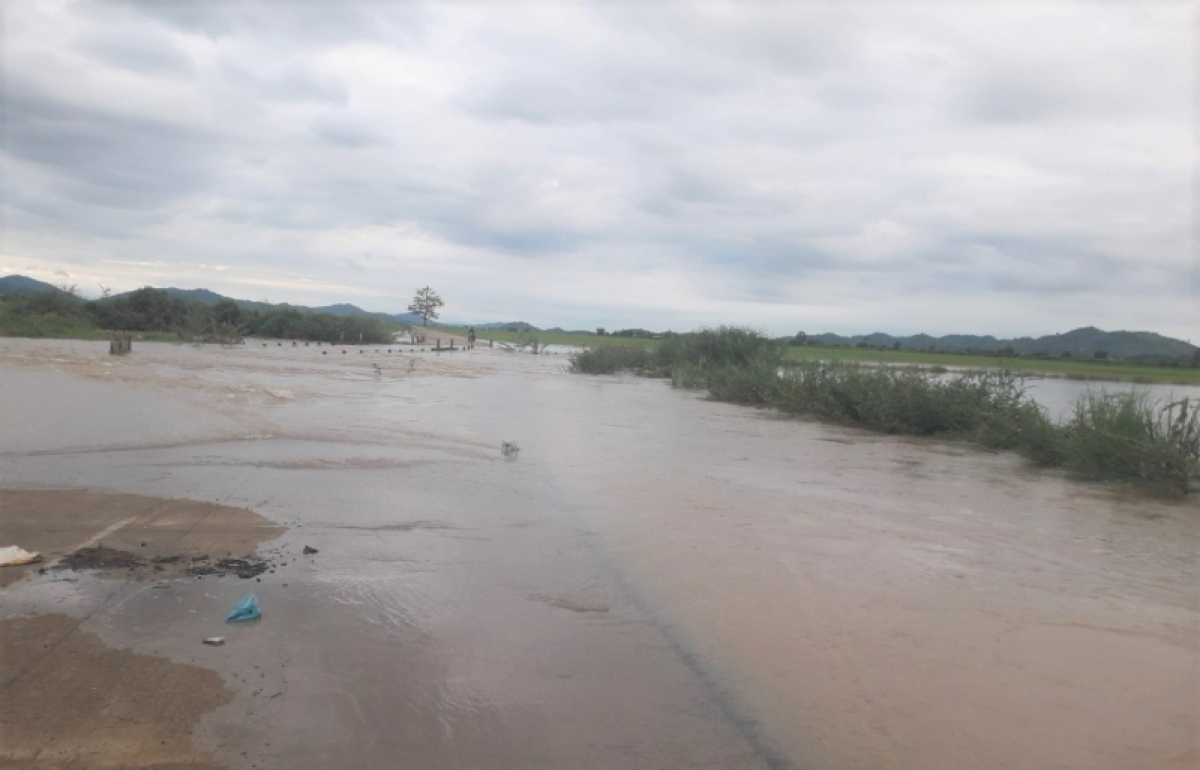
655	581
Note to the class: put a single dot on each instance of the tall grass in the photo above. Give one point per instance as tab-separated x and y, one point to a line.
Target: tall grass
610	359
725	346
1125	436
1120	437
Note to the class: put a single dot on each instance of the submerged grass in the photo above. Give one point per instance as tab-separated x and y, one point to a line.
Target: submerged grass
1120	437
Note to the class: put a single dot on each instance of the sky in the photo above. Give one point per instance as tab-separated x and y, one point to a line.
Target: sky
985	167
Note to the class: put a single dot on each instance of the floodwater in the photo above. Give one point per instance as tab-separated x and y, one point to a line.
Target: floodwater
656	581
1059	396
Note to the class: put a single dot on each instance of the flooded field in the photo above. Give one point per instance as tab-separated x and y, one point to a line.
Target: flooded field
656	580
1059	395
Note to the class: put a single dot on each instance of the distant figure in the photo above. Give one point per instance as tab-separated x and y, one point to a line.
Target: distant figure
470	338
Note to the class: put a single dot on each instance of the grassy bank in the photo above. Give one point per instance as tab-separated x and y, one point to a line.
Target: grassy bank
1120	437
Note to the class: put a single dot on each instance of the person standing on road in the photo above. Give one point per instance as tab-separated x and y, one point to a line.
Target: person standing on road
470	338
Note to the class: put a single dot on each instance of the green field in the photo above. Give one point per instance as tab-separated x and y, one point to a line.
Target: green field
1050	367
558	338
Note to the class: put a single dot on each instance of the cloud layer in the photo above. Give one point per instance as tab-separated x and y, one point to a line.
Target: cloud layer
983	169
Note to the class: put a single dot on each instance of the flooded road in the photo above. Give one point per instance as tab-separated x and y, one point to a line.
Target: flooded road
657	580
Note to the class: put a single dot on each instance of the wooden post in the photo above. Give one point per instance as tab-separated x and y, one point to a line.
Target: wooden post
439	343
120	343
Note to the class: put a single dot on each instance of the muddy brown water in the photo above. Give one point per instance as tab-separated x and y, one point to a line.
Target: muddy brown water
656	581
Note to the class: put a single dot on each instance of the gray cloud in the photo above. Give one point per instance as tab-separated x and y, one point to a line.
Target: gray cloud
290	83
1017	97
105	157
138	53
343	132
994	169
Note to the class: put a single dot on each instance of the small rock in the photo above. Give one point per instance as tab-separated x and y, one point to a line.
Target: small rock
308	550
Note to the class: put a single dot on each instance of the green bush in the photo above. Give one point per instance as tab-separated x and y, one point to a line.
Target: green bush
714	348
751	385
610	359
1125	436
908	400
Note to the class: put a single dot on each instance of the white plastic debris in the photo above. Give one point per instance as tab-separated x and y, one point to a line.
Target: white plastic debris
13	556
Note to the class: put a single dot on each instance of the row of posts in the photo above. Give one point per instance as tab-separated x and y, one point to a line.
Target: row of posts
120	343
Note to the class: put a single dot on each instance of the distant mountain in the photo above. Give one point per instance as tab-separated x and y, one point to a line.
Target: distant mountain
509	326
21	284
1120	344
202	296
1083	342
207	297
341	309
344	310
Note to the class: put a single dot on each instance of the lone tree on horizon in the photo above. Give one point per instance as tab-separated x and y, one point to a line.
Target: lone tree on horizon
425	304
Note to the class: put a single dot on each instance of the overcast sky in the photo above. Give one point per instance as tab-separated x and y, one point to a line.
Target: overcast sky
983	168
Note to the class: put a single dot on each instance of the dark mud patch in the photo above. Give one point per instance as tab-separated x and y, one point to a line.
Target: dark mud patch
68	700
111	560
123	535
101	557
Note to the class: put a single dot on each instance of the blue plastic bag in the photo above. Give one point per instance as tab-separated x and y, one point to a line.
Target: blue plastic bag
246	609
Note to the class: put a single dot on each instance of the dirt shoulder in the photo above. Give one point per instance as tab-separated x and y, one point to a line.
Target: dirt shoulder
67	699
129	535
70	701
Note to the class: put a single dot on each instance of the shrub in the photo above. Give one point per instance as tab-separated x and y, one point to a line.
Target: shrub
610	359
715	348
1125	436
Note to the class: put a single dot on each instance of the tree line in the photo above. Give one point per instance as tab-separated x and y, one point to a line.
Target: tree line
154	310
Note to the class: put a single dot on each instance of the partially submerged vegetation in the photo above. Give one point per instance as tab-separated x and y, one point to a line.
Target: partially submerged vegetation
1069	368
155	314
1110	437
611	359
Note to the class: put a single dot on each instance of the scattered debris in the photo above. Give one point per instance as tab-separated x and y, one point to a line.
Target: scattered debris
309	550
245	610
243	568
14	556
509	449
215	641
